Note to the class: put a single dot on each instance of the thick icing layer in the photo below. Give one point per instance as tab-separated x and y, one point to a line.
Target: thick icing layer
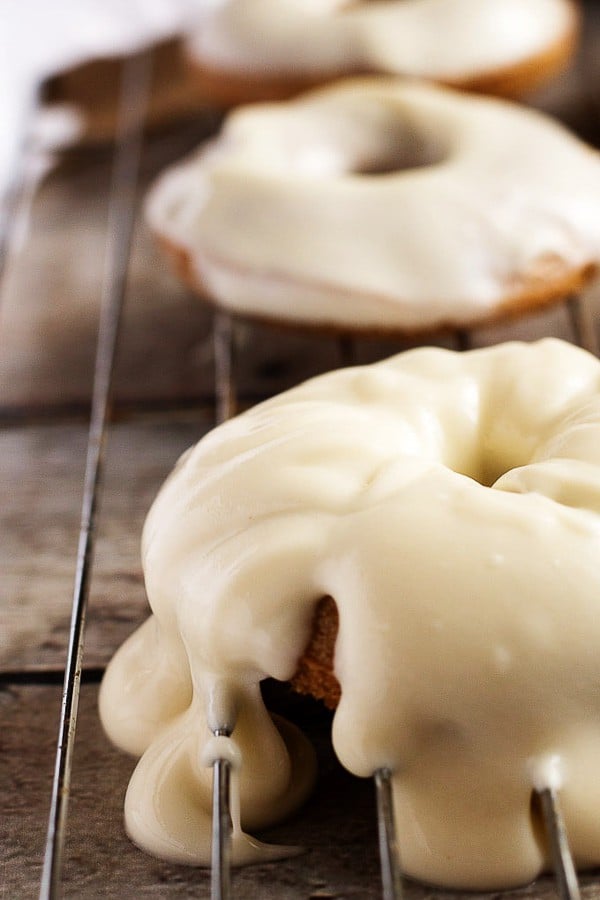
450	504
449	40
382	205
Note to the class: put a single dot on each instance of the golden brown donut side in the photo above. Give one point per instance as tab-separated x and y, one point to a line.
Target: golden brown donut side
224	88
550	283
93	88
315	674
516	81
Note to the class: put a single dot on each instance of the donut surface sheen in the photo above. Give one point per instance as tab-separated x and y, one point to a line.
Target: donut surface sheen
383	206
503	46
450	505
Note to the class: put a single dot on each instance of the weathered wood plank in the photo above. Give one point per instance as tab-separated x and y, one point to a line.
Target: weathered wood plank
41	485
47	336
46	354
337	827
49	310
45	360
41	474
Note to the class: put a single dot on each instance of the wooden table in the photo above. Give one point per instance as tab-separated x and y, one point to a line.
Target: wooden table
164	402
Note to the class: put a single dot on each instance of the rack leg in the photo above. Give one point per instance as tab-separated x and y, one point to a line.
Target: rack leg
582	324
391	877
224	353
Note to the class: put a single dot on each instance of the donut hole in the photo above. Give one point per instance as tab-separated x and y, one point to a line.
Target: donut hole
492	468
494	463
486	470
373	140
408	151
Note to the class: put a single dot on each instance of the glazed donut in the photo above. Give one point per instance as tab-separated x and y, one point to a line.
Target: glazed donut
270	49
450	505
382	206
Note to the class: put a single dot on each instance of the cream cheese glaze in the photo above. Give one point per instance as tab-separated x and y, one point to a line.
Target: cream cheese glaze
449	40
382	205
450	504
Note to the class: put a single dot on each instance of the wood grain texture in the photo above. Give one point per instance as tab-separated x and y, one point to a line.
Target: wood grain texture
336	828
164	391
49	312
41	469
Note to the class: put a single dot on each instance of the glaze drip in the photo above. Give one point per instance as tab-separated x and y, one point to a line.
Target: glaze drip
468	607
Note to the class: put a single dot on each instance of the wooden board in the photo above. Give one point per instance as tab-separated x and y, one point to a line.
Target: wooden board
164	394
336	828
41	474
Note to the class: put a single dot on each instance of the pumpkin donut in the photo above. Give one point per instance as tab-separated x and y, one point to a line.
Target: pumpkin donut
383	206
449	504
247	50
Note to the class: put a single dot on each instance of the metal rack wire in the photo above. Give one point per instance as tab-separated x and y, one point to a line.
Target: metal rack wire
121	219
136	80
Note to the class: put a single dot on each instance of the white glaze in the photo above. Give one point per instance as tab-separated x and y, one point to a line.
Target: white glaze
478	195
40	38
451	506
439	39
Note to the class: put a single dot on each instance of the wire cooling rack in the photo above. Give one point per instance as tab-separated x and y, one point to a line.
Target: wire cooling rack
578	318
